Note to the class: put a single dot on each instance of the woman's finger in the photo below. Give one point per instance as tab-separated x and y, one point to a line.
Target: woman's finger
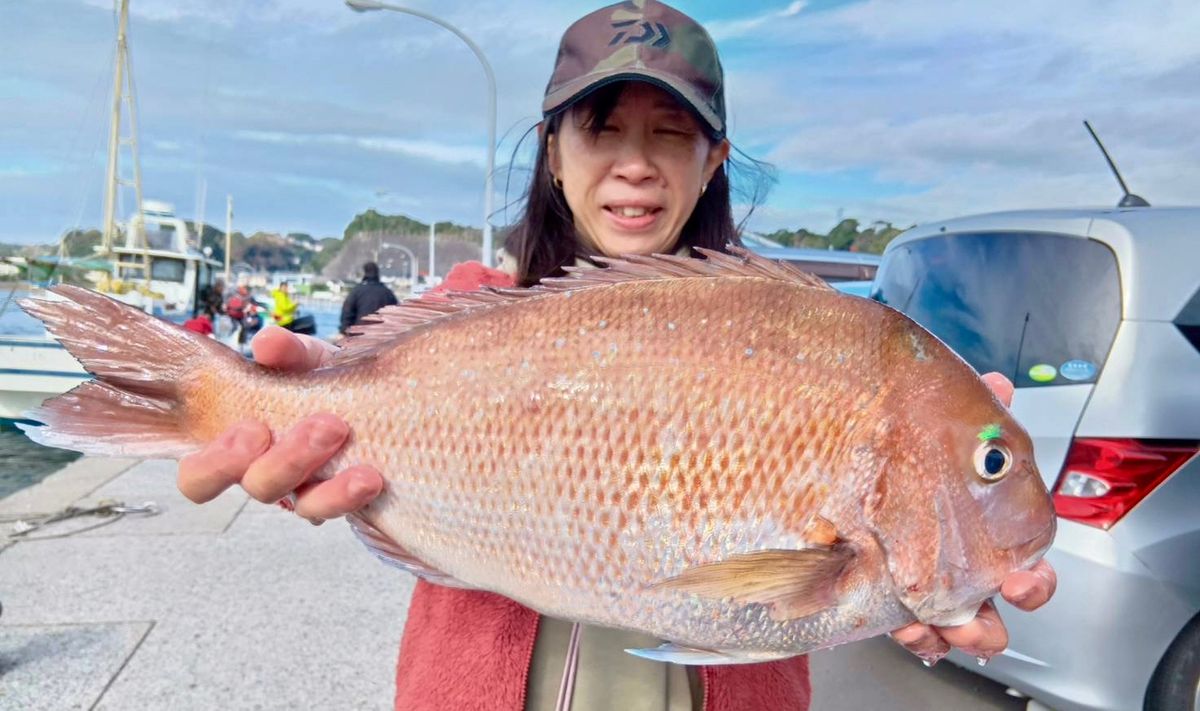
205	474
983	636
1030	589
1001	386
345	493
923	641
281	349
294	457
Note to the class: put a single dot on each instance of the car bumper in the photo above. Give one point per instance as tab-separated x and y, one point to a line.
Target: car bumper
1097	642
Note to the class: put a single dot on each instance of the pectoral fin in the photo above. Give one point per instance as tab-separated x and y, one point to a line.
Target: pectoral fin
694	656
792	583
821	532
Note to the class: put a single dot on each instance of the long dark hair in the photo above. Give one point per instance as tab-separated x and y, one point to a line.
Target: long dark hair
544	240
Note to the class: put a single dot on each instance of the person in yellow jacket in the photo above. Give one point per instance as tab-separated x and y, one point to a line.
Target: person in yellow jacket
284	311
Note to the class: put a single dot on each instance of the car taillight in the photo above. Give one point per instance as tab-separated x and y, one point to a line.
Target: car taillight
1104	478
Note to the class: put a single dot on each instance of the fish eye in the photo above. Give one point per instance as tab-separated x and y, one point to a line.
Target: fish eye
992	461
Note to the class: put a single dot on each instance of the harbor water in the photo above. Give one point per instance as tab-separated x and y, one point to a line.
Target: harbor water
14	321
23	463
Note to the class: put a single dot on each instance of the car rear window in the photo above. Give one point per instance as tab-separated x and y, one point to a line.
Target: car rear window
1040	308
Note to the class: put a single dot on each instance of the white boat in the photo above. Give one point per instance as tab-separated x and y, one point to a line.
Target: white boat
177	270
32	369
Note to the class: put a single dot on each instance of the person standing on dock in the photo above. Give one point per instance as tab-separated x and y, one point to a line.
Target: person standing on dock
284	311
211	299
243	309
366	298
632	159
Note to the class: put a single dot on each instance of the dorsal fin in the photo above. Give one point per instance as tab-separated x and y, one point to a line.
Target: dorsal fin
389	325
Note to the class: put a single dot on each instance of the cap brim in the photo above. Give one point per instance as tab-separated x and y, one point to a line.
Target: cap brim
573	91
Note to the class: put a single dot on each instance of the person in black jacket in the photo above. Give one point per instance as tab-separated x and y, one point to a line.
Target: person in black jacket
211	299
367	298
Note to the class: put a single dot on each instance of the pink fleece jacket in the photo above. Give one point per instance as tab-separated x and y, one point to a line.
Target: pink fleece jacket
466	650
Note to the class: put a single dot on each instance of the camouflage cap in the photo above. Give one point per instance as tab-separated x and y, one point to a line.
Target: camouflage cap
642	40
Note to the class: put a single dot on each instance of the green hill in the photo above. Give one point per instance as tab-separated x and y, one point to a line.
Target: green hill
375	222
845	235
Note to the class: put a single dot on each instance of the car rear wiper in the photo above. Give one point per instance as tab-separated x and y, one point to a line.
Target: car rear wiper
1020	347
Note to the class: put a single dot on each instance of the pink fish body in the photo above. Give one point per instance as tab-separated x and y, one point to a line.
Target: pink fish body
724	453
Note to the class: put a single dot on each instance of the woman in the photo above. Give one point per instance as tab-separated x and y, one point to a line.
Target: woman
631	159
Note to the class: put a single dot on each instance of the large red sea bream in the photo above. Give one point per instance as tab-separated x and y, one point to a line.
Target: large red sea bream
724	453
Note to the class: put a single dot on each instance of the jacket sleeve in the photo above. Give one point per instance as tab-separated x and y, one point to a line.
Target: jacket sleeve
473	276
349	311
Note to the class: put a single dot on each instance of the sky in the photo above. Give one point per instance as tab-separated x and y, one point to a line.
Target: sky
307	113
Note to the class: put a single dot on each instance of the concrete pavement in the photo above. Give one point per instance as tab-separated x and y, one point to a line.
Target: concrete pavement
236	605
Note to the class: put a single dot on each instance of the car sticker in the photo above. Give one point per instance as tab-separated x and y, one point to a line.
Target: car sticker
1043	373
1078	370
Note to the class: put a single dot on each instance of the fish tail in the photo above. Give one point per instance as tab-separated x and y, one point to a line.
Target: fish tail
133	407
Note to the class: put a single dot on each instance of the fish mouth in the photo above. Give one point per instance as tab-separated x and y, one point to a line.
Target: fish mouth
1032	548
957	606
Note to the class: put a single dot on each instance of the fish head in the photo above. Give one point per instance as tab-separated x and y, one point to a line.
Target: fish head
958	502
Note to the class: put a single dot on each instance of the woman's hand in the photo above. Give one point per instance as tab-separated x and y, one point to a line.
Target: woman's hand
268	471
984	636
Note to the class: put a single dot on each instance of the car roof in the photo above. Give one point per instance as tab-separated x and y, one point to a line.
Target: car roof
1157	248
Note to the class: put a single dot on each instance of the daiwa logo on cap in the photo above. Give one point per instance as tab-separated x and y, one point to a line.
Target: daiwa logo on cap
649	31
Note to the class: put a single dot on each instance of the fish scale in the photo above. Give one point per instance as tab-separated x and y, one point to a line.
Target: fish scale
663	531
622	447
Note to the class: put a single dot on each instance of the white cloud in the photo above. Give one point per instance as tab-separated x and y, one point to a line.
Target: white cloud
794	9
923	148
976	188
960	106
967	163
1118	36
324	14
969	107
722	30
532	20
428	150
29	168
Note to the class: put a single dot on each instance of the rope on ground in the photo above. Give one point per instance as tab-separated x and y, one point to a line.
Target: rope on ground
110	509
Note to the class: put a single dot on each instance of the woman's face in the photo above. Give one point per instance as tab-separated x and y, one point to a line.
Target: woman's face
632	187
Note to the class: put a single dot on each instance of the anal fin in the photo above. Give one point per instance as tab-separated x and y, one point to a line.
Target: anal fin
396	555
694	656
791	583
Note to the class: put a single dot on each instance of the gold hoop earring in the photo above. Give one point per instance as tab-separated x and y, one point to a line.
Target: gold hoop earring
557	181
703	188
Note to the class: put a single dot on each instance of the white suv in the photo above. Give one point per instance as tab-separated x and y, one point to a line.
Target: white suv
1095	316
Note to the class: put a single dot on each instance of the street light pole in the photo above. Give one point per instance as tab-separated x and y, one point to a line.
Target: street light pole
367	5
432	248
228	236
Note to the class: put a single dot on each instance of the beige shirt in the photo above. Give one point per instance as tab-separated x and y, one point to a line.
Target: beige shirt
608	678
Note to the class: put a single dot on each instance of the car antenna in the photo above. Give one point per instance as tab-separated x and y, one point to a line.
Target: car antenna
1130	200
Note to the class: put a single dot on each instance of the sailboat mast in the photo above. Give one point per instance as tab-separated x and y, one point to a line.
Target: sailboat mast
123	89
111	175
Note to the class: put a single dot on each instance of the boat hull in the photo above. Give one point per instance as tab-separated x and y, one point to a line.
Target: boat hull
33	369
